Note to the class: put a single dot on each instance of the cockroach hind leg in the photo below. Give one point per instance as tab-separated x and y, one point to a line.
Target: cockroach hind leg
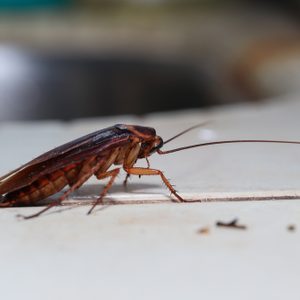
5	204
75	186
56	203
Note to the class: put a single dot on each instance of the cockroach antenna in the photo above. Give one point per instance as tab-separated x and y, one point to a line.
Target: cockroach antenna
225	142
159	151
185	131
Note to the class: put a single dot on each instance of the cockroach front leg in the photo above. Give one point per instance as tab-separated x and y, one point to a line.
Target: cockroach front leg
112	174
148	171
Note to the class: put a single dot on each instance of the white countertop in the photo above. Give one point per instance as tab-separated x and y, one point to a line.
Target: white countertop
154	250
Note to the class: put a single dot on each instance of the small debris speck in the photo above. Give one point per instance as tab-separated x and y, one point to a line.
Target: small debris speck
291	227
231	224
203	230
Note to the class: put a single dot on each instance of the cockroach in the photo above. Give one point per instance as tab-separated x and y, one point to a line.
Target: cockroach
75	162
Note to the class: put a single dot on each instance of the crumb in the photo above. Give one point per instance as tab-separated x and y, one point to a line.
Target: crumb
203	230
291	227
231	224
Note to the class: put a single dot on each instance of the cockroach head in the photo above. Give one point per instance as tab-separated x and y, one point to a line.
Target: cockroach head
150	142
150	147
141	132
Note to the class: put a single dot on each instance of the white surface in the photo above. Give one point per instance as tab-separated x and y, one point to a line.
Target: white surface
153	251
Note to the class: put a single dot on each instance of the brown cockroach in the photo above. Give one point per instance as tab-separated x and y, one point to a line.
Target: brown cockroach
75	162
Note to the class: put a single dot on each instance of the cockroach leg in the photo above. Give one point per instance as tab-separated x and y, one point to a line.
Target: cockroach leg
126	180
112	174
7	203
75	186
146	171
148	163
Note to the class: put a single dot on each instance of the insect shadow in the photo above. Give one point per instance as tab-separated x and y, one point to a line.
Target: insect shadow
88	193
92	191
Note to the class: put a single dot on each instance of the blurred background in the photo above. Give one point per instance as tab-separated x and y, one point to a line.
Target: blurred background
64	59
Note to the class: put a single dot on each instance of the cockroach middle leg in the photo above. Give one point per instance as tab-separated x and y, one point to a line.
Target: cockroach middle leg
126	180
75	186
148	163
112	174
148	171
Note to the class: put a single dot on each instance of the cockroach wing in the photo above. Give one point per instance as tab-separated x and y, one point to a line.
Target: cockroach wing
75	151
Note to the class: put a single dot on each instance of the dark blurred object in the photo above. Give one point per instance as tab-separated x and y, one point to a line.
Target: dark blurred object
136	57
73	86
269	68
288	4
31	4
